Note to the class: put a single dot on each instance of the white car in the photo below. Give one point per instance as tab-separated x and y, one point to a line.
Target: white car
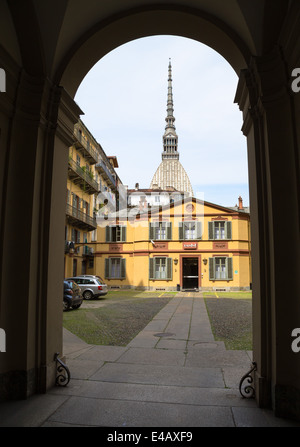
91	286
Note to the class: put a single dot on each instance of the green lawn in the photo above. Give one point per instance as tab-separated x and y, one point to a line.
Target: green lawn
233	295
120	317
231	320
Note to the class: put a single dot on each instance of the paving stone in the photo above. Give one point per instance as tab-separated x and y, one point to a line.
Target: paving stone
160	375
146	356
169	343
102	353
257	417
80	369
111	413
161	394
30	413
204	357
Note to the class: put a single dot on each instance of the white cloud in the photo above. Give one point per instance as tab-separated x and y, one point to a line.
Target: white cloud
124	100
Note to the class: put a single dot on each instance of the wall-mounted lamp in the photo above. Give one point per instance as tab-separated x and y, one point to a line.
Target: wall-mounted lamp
175	261
70	247
204	261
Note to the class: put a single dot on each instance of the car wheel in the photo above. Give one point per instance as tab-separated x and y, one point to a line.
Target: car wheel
66	305
76	306
88	295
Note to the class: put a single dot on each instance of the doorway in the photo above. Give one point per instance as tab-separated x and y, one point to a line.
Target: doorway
190	273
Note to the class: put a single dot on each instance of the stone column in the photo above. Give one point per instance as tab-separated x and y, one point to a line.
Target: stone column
36	131
264	97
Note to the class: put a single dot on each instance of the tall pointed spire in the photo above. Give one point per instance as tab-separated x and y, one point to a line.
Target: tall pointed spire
170	107
170	138
170	173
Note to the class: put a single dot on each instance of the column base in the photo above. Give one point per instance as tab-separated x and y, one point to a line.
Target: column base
19	385
287	402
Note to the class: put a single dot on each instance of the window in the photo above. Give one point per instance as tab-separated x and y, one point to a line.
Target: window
74	267
115	268
190	230
220	268
115	233
160	230
75	237
219	229
160	268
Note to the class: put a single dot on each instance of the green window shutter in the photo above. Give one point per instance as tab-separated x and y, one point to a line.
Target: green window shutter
123	234
106	268
229	269
228	230
169	268
211	269
211	230
107	234
198	230
151	230
123	268
180	231
151	268
169	230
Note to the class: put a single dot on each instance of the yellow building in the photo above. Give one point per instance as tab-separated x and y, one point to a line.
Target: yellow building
190	244
91	180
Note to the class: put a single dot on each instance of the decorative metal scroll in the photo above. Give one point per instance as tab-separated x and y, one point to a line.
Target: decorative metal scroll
63	373
248	390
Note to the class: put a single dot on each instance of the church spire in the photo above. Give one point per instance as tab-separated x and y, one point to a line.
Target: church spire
170	138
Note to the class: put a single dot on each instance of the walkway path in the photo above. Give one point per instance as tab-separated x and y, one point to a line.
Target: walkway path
173	374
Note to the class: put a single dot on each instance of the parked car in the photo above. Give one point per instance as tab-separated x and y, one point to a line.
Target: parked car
72	295
91	286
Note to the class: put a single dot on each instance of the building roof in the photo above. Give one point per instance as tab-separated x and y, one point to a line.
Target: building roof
128	213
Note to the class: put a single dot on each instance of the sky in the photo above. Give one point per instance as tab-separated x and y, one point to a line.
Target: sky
124	100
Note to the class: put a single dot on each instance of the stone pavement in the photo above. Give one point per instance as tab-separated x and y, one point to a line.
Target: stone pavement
173	374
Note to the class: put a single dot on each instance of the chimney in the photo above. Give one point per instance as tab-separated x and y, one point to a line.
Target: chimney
137	186
241	207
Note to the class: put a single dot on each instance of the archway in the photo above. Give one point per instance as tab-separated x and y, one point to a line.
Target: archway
41	110
142	22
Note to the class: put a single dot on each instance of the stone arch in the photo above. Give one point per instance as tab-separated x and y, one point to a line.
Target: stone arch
262	45
149	21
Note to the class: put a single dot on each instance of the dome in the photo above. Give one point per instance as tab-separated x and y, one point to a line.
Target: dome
170	172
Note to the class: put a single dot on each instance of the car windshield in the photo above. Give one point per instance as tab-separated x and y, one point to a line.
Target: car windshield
99	281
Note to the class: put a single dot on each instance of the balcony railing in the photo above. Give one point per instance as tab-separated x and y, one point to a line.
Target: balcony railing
82	178
83	145
107	175
80	219
87	251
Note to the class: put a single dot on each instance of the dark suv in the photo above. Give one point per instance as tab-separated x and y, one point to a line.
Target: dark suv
72	295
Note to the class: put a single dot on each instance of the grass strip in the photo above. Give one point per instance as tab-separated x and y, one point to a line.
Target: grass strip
116	323
231	321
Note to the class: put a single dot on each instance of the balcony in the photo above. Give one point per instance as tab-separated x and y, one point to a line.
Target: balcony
106	174
82	178
79	219
87	251
83	146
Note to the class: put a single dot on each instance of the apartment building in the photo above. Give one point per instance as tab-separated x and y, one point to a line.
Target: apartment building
92	180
